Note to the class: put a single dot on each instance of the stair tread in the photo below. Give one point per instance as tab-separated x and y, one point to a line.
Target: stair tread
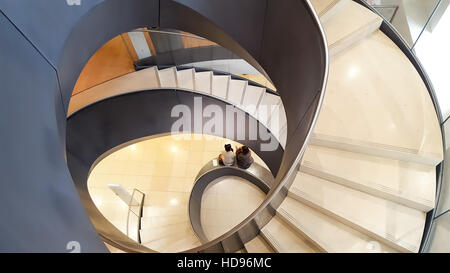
398	226
252	97
203	81
327	233
407	183
185	78
220	86
258	245
167	77
390	116
352	19
236	91
265	109
283	239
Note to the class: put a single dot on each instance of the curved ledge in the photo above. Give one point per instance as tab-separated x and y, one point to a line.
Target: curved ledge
256	174
96	131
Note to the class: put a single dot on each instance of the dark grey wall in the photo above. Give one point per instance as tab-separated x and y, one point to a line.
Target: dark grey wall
39	207
278	37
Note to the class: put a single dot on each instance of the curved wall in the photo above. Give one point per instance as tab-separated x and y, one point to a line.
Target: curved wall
45	50
96	130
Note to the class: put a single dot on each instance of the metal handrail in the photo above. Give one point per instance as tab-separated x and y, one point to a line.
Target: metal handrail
139	215
277	188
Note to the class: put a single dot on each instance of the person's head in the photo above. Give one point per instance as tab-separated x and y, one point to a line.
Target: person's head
228	148
245	150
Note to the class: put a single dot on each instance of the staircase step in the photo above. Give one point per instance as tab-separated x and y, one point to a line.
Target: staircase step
396	225
410	184
185	78
325	232
283	239
258	245
236	89
351	24
168	77
151	234
252	98
327	8
203	81
220	86
390	116
265	108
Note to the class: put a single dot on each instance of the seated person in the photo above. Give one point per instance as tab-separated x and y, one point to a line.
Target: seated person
243	157
227	156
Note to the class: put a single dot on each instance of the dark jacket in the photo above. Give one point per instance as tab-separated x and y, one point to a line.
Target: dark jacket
242	160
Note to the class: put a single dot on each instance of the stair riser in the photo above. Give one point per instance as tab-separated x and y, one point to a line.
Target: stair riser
351	224
309	168
374	149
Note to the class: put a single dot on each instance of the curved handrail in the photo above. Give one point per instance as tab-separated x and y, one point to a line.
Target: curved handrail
255	174
277	189
138	215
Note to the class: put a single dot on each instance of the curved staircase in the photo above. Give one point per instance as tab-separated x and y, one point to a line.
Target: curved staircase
368	177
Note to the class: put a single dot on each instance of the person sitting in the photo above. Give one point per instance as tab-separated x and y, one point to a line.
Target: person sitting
227	156
243	157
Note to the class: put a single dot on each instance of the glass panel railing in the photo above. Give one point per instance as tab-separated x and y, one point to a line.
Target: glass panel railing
177	48
135	207
409	17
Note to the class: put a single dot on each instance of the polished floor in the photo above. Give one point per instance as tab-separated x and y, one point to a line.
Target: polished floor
164	168
226	202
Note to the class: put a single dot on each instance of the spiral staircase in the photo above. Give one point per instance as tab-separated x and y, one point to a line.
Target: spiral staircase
363	180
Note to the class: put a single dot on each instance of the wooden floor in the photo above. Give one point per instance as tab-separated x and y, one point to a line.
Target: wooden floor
111	60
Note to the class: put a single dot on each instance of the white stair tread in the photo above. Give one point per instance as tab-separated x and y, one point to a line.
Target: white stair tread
185	78
390	116
283	239
159	221
258	245
327	233
236	89
220	85
252	97
268	104
168	78
407	183
139	80
398	226
151	234
326	8
203	81
352	23
278	119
